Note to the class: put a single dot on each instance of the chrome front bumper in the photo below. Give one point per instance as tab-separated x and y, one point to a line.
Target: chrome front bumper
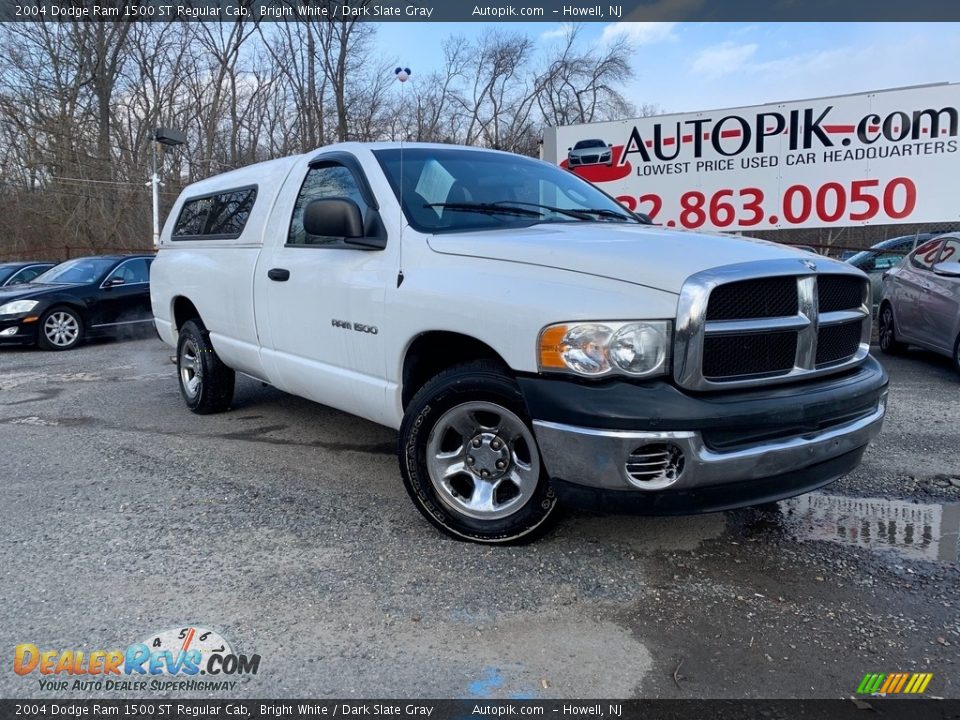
597	458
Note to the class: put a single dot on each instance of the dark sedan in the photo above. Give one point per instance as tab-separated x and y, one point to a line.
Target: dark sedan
85	297
13	273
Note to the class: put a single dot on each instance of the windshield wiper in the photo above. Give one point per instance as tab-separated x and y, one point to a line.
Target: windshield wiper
604	212
486	208
579	213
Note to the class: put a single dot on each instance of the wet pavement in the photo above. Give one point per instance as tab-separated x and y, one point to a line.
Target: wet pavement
284	526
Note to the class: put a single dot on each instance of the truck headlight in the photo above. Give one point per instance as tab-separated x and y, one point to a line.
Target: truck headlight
18	306
637	349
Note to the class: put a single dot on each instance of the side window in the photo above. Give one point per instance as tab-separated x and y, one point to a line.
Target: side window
951	251
25	275
222	216
193	215
229	213
323	181
885	261
925	256
132	271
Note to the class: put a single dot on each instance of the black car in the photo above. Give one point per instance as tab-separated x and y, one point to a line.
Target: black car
12	273
85	297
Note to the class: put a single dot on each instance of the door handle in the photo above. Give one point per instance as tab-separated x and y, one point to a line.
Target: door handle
278	274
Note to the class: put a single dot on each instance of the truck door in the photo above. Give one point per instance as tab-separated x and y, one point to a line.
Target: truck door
320	300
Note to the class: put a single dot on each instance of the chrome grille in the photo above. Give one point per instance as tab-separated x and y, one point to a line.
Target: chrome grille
770	321
727	356
839	292
837	342
766	297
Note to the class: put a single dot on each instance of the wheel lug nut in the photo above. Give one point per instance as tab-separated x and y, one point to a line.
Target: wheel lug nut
495	444
485	473
471	460
477	442
501	464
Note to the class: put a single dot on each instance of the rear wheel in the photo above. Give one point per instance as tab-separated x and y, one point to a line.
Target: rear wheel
61	328
888	332
469	458
206	384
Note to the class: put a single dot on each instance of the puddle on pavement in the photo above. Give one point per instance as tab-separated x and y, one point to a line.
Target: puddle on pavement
915	531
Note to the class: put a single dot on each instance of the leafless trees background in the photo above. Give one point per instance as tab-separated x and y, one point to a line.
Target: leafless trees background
79	101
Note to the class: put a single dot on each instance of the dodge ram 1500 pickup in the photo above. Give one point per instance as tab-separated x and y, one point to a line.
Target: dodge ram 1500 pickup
531	339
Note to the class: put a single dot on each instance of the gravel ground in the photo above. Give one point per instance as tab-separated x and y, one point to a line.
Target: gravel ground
284	526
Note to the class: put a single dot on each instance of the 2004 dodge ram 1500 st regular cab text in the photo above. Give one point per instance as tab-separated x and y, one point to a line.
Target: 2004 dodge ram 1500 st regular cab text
529	337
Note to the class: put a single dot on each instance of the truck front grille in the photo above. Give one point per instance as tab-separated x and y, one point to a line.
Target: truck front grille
728	356
836	343
765	297
839	292
770	322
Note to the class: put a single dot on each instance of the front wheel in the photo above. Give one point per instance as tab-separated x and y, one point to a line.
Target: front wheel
61	328
206	384
469	458
888	333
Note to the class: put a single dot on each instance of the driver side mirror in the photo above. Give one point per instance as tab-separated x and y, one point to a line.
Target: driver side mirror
333	217
114	281
947	269
339	218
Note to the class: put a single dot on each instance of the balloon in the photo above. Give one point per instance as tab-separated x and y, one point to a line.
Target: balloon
403	74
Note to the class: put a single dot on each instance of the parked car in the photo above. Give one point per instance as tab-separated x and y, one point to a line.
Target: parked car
920	300
528	337
13	273
85	297
883	256
589	152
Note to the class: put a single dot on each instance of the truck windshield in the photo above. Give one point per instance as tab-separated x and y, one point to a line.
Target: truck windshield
453	189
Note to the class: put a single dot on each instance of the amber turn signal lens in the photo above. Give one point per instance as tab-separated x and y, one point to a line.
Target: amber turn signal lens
551	341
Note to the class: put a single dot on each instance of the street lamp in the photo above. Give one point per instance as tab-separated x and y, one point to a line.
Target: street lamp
171	138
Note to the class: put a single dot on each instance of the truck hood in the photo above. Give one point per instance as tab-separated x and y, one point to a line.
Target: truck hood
641	254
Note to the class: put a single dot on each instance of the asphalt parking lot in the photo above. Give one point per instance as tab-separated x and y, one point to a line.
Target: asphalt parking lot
284	526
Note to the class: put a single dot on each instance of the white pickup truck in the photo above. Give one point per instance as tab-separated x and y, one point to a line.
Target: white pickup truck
530	338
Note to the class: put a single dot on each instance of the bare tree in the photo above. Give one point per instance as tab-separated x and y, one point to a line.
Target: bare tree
79	102
585	85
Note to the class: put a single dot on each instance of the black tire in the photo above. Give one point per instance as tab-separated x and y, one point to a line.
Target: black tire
486	398
888	332
61	328
956	355
206	384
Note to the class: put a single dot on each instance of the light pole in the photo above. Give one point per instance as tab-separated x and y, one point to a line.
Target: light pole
169	137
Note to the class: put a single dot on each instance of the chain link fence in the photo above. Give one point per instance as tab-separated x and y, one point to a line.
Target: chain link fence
843	242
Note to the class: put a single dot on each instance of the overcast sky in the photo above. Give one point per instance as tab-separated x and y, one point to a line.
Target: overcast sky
700	66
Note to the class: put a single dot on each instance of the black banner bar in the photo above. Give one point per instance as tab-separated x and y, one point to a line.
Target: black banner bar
168	709
558	11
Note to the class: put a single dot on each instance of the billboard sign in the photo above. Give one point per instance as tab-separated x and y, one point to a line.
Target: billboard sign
876	158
